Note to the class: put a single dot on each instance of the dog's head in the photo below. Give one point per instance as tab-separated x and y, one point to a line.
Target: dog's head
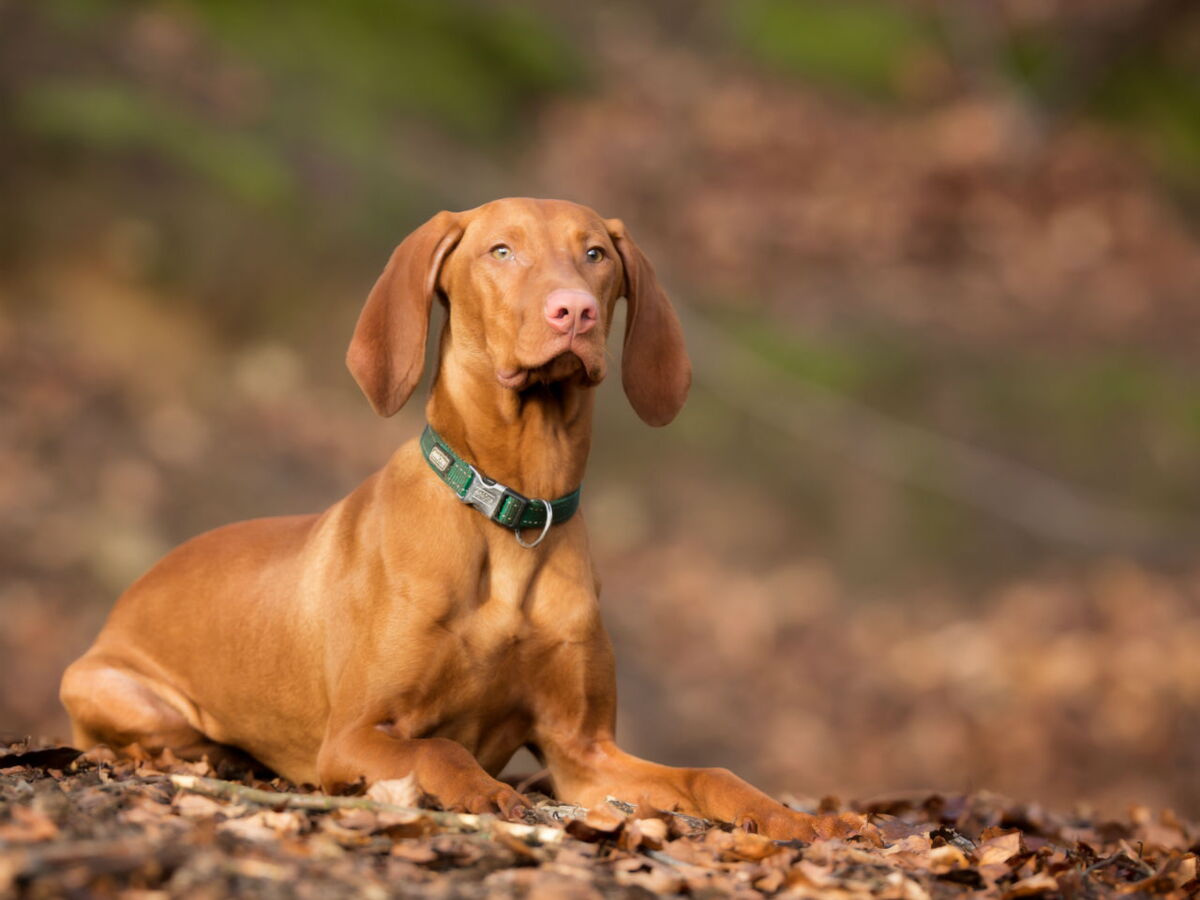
531	286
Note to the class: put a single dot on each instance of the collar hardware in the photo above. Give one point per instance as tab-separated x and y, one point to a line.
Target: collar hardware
545	528
439	460
498	502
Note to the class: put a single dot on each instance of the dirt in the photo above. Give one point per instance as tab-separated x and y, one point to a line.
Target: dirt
94	824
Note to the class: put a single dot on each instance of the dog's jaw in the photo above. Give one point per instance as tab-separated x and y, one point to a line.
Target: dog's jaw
565	366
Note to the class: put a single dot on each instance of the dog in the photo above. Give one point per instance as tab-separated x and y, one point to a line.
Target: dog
445	613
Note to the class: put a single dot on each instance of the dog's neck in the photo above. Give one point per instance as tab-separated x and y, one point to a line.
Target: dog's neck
535	441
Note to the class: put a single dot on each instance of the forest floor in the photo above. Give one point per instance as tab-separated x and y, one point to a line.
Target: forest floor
94	825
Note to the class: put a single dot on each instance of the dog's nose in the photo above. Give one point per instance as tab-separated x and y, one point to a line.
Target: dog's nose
571	311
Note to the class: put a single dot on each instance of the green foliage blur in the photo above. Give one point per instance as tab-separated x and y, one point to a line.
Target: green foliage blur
312	124
856	47
1145	85
323	127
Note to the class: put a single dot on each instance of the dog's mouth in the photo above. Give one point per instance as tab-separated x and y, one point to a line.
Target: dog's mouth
564	366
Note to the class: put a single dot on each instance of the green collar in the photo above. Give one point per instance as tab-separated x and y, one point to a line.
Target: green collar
498	502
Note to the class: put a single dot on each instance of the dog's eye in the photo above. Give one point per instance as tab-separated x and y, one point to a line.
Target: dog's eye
502	251
595	254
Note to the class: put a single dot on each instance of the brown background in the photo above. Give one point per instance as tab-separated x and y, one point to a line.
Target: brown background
928	518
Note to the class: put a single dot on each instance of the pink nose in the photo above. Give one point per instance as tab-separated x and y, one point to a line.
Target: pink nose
571	311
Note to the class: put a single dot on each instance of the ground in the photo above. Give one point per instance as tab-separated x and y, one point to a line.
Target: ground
96	825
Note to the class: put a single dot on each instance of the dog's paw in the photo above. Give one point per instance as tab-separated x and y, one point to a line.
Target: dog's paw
781	824
494	798
513	806
785	824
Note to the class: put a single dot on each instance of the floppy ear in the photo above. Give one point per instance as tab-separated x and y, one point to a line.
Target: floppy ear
387	353
655	370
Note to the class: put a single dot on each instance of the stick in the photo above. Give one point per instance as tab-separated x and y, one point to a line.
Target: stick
690	821
229	790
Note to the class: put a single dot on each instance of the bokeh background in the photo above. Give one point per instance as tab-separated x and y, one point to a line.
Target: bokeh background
938	263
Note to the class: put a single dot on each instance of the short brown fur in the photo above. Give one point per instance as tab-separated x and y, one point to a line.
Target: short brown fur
399	631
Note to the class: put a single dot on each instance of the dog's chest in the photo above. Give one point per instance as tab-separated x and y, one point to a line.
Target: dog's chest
473	682
490	657
477	671
472	660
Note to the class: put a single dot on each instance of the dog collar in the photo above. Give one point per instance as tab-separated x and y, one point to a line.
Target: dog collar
500	503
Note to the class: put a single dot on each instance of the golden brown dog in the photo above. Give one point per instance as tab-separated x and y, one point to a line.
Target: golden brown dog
402	631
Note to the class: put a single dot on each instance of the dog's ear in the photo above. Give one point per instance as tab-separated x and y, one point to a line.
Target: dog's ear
655	370
387	353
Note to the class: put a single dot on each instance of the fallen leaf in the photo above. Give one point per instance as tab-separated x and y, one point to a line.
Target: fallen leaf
947	857
28	826
397	791
365	820
600	824
742	845
415	853
998	849
194	806
656	879
1031	886
266	825
521	849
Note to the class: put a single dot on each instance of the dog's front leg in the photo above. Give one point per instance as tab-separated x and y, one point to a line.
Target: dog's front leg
575	717
587	772
442	768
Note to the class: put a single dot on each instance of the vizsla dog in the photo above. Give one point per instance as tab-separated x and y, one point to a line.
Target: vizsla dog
404	630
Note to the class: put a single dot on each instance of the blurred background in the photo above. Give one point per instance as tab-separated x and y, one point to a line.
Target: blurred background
938	263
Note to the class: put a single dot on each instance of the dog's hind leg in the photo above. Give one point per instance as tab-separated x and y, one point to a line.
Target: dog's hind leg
113	705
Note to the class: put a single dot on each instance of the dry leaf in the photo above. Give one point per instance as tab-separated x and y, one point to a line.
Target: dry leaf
397	791
28	826
654	831
916	845
601	823
521	849
656	879
999	849
744	845
946	857
413	852
357	819
263	826
1028	887
404	825
194	806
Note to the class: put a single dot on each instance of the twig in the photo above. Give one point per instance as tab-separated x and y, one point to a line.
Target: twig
1120	856
229	790
560	812
690	821
666	859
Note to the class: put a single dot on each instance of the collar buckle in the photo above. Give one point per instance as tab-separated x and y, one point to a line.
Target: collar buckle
498	502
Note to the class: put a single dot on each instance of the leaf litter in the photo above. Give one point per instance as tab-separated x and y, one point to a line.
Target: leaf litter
99	825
